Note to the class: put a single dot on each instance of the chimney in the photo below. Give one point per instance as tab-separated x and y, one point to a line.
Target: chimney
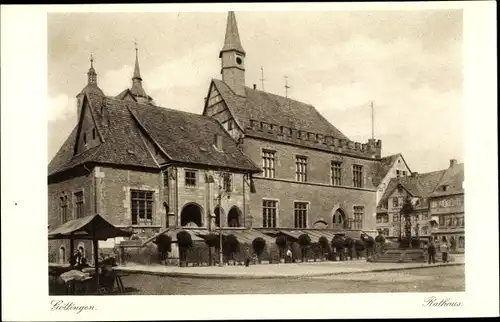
218	142
254	86
453	162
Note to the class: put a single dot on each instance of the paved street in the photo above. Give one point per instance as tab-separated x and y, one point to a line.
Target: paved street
434	279
310	269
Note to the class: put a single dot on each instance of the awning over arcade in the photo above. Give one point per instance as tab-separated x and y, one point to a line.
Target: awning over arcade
93	227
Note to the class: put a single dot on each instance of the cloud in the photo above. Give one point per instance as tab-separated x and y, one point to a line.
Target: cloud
61	107
415	113
115	81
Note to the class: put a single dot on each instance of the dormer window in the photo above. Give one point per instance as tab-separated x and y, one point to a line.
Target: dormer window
229	125
444	188
93	134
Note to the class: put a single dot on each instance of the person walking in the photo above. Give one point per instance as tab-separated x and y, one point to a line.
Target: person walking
444	251
431	252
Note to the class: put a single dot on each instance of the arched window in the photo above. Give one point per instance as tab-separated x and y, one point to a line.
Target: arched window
234	217
338	219
191	215
62	255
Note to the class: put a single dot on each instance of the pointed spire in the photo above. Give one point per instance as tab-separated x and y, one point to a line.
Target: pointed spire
137	90
232	40
137	71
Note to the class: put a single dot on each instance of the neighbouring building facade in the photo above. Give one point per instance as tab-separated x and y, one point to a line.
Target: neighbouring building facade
447	207
438	201
312	175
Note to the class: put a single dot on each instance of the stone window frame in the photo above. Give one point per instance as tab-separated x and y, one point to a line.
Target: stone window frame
196	179
308	205
354	215
63	208
357	175
269	158
131	190
77	202
276	219
301	168
336	168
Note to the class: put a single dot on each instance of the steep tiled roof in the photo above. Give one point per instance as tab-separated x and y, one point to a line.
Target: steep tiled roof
421	185
383	166
453	179
185	137
263	106
188	137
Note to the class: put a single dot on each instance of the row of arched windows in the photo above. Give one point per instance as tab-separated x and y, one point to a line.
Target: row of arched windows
192	215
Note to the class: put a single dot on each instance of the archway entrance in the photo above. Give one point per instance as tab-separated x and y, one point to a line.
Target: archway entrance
191	215
338	219
233	217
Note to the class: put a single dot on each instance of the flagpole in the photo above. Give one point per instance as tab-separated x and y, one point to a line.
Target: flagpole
373	131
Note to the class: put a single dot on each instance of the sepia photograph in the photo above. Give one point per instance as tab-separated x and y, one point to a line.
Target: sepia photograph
253	150
194	160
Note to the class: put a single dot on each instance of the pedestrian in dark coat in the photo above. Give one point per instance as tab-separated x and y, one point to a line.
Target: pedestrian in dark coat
431	252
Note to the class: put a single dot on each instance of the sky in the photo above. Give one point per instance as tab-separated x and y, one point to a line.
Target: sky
408	63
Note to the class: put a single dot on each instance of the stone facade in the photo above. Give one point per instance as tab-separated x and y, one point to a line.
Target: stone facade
108	192
321	196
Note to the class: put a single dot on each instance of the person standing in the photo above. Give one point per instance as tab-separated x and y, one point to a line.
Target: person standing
431	252
444	251
289	255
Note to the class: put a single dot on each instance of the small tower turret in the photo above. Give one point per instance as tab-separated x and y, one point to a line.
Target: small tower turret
232	58
91	87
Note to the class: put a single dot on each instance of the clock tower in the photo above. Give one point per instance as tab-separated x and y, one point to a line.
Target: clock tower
232	58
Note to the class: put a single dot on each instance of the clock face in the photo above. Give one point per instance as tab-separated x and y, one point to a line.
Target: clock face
239	60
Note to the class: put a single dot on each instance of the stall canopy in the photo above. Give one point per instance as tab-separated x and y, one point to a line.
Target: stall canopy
93	227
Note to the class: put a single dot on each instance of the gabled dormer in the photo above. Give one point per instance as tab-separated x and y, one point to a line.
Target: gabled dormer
88	132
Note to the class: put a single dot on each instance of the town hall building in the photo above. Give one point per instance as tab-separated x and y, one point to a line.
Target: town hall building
252	160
